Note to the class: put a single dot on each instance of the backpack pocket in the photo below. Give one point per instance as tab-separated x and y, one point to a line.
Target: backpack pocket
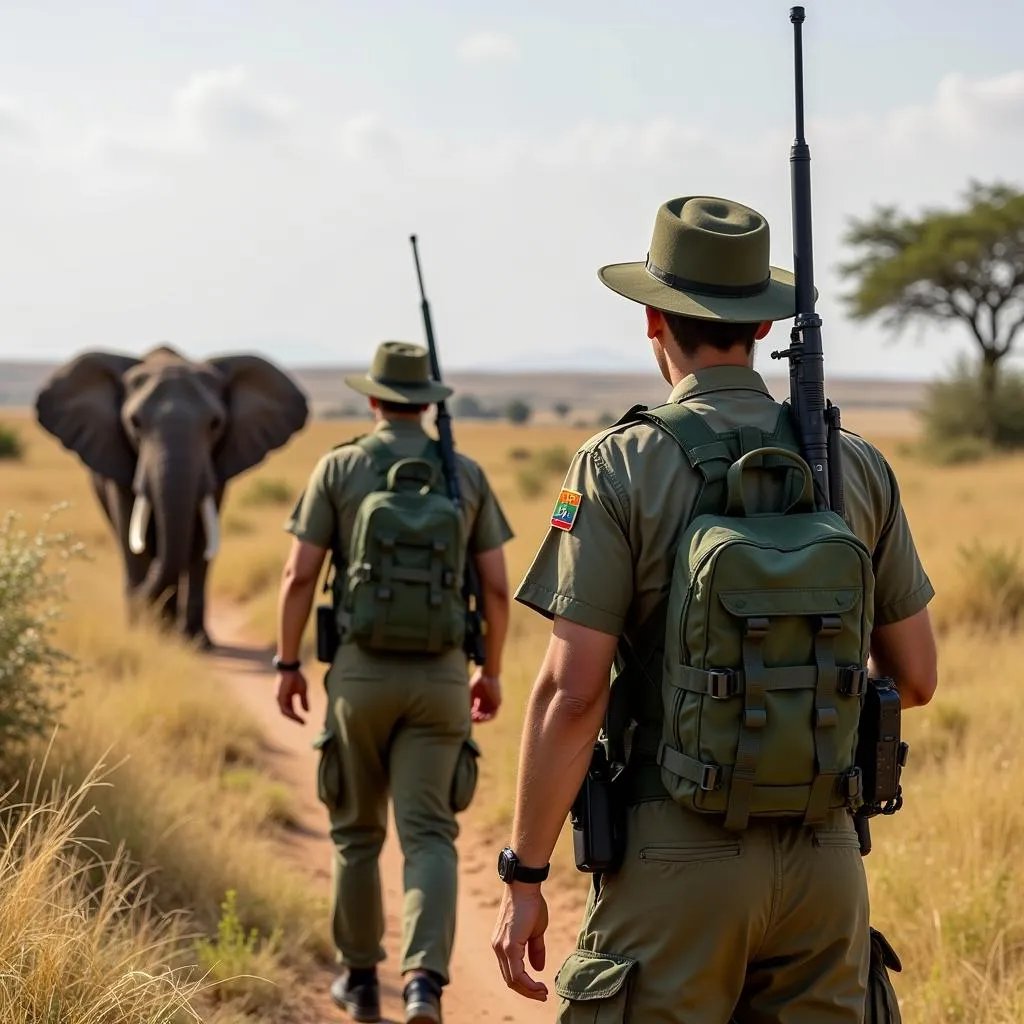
594	988
764	674
464	781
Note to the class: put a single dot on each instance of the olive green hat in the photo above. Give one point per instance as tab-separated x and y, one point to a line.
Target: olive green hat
400	372
709	260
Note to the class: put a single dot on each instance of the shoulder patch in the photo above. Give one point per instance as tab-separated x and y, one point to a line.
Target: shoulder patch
566	509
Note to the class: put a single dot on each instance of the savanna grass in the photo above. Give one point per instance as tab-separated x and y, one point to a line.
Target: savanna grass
947	884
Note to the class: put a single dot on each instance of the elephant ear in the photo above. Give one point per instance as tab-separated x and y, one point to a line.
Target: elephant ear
81	406
265	408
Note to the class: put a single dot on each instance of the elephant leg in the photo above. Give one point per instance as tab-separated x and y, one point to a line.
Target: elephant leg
195	602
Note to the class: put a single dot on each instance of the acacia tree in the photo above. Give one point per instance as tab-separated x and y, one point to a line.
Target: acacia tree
964	265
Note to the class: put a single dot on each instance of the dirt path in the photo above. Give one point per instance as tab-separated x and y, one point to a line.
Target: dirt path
477	992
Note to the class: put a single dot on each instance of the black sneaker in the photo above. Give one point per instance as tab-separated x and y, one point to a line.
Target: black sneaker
422	1001
358	993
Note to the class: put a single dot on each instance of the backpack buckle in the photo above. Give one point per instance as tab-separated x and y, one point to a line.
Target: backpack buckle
853	680
709	777
722	683
757	628
755	718
830	625
854	785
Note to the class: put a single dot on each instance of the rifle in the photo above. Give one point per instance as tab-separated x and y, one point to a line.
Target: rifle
473	643
817	420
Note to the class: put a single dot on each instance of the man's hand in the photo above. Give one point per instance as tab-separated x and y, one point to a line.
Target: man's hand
289	686
522	921
484	696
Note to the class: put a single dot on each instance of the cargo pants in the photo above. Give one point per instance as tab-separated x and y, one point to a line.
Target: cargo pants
705	926
395	726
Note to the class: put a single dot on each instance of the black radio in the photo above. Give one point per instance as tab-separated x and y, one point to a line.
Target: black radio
881	754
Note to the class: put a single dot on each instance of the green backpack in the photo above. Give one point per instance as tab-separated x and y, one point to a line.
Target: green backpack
401	590
767	633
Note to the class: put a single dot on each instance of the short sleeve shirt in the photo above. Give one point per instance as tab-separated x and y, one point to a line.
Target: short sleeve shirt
325	513
613	568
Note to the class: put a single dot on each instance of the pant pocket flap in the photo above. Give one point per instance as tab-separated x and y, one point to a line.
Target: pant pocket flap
471	745
323	739
586	975
884	951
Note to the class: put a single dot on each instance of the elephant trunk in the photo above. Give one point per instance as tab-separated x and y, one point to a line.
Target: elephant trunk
173	487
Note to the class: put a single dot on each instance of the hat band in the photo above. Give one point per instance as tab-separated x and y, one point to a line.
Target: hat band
391	382
725	291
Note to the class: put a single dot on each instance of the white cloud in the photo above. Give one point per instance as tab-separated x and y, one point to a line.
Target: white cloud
489	48
221	105
16	129
366	137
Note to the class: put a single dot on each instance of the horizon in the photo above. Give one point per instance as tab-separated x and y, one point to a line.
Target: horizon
249	179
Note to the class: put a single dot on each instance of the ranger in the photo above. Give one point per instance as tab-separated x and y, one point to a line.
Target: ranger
743	645
398	715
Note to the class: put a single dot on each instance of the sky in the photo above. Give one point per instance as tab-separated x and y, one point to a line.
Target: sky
245	175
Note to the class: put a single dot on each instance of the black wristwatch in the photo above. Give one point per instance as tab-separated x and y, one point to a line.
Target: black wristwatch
510	870
285	666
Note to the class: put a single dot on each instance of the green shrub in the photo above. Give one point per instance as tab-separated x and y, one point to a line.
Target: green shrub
266	490
554	461
240	962
990	594
518	412
34	673
531	483
961	424
11	444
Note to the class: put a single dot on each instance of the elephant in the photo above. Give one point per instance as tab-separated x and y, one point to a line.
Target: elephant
162	436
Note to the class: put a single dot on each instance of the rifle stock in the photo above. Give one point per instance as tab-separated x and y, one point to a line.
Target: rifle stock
817	420
474	645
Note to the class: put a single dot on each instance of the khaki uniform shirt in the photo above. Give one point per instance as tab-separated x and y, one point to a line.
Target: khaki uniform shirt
325	512
614	566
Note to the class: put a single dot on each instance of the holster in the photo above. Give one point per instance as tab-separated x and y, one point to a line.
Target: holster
881	1005
598	817
327	639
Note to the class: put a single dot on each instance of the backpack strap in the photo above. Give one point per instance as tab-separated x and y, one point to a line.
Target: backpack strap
707	452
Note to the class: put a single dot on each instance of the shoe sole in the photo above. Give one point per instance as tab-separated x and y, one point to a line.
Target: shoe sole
422	1013
363	1016
360	1016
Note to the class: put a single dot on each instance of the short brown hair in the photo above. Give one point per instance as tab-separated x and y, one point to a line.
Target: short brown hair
690	333
399	407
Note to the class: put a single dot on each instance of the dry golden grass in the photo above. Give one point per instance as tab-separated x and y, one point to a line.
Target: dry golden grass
947	886
73	952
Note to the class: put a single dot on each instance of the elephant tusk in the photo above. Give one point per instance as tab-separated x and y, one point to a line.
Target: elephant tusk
139	525
211	527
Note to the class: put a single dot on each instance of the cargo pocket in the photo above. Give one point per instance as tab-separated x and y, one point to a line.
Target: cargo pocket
328	772
465	778
881	1006
594	988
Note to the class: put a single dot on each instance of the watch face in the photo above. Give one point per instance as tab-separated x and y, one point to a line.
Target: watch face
506	865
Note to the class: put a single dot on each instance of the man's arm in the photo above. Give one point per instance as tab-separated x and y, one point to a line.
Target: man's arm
563	717
494	587
295	601
905	651
485	686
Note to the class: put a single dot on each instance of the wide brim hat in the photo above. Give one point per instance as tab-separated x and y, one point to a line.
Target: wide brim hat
400	373
708	259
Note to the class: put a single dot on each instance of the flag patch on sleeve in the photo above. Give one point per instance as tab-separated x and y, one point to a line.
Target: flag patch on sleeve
566	509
